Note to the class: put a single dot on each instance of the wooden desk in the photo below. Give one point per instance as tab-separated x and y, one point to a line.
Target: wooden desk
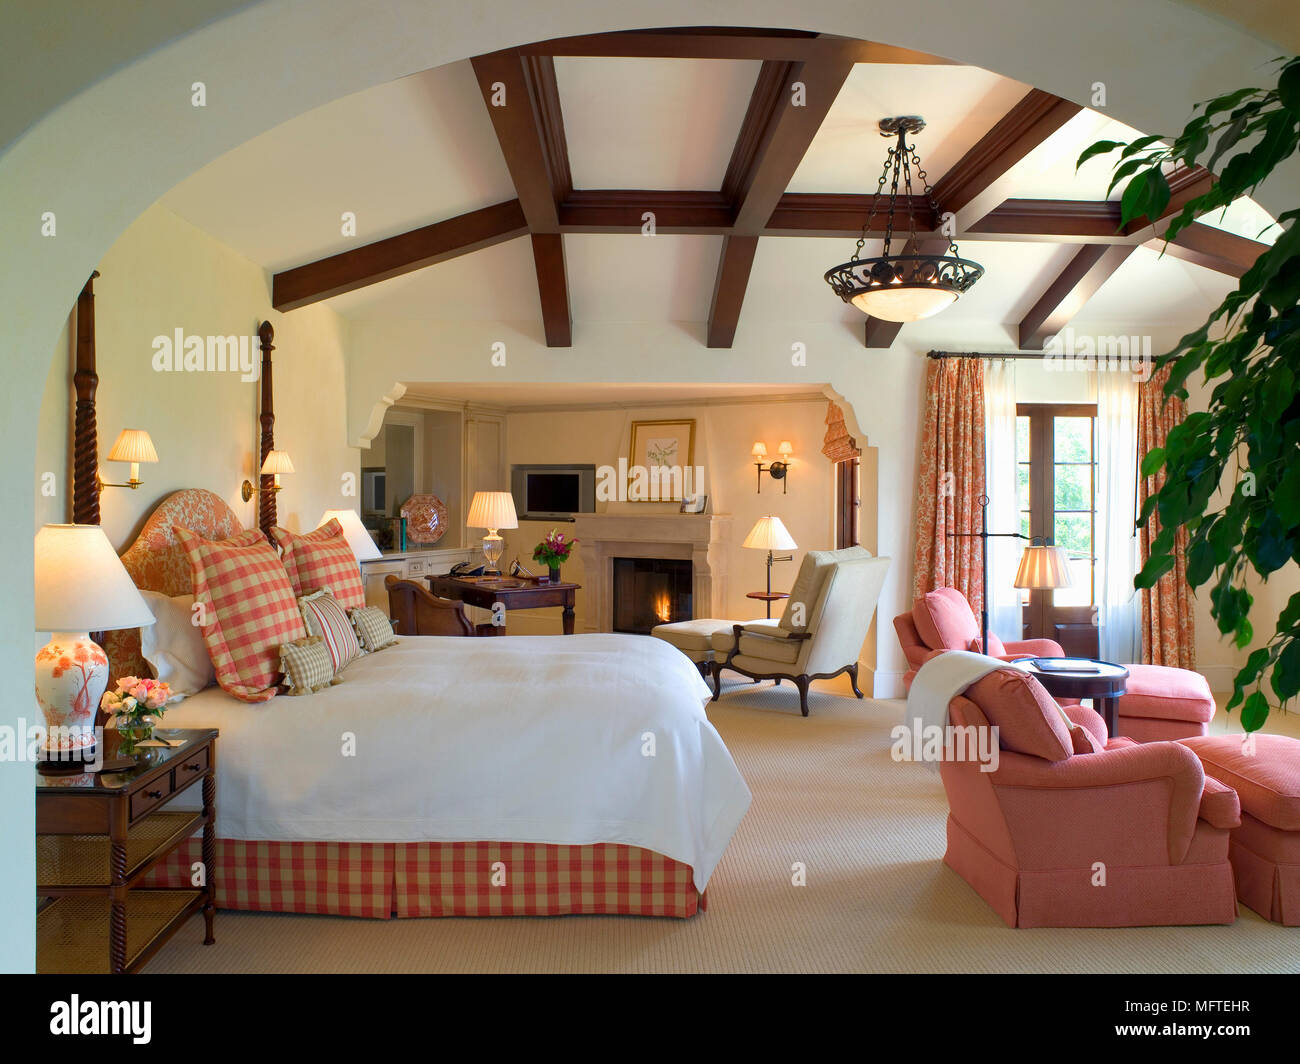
97	834
511	592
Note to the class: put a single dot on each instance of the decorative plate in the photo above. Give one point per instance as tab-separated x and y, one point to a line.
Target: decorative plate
426	518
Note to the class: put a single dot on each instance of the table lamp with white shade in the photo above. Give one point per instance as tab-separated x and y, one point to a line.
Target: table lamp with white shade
493	510
770	534
357	535
81	587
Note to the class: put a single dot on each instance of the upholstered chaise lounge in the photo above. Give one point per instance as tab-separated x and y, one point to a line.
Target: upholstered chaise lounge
821	631
1160	703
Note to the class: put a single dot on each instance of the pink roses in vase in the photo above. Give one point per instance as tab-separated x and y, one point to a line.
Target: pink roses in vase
135	704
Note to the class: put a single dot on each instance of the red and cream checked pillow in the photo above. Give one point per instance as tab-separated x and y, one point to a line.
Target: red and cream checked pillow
322	560
250	610
326	618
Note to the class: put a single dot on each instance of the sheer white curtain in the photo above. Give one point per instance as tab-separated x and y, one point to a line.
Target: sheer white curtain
1116	545
1002	483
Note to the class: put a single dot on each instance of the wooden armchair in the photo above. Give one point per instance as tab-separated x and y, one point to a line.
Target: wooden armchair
415	611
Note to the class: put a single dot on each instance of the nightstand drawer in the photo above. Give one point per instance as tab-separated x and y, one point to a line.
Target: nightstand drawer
190	769
154	793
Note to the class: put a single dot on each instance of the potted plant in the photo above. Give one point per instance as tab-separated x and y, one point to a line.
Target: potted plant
553	550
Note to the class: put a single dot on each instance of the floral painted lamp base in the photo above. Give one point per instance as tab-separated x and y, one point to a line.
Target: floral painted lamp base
71	676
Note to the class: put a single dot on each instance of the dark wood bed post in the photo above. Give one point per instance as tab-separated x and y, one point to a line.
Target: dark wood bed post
85	435
266	497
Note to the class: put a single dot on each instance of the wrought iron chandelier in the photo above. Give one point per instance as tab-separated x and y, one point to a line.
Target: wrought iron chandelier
902	287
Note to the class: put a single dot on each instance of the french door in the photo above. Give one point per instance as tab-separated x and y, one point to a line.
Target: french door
1056	457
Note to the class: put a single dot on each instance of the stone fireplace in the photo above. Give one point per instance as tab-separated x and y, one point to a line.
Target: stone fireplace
604	539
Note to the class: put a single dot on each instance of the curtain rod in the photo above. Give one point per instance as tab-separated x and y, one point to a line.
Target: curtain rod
991	354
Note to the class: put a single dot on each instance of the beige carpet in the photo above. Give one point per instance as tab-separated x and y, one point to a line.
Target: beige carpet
878	899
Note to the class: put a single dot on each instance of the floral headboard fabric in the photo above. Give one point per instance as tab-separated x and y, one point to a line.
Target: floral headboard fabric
157	562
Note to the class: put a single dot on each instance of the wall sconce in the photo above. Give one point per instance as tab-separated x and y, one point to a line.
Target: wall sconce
134	446
277	462
778	469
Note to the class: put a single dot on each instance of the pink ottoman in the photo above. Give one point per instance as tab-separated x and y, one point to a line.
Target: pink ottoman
1163	703
1265	849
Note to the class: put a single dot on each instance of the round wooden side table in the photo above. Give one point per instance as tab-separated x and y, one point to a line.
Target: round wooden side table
1103	686
768	597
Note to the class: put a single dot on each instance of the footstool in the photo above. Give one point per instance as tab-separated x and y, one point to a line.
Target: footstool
693	638
1161	703
1265	849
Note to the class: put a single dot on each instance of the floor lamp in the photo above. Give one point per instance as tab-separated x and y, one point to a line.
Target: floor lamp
1042	567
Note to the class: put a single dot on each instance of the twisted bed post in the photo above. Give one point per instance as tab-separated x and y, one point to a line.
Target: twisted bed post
85	434
266	517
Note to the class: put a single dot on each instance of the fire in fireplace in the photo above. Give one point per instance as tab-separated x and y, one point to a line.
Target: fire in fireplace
650	591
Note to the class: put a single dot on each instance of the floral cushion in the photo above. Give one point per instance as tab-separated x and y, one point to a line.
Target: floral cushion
322	560
249	608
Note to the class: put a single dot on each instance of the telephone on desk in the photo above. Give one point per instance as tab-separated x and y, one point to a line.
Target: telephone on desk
465	569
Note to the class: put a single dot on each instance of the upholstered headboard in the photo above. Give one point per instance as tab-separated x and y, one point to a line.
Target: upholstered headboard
157	562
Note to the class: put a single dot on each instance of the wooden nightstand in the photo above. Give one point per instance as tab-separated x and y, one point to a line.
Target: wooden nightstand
97	834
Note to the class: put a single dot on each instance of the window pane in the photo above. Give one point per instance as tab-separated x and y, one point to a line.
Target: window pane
1073	487
1074	534
1024	528
1022	486
1022	439
1073	439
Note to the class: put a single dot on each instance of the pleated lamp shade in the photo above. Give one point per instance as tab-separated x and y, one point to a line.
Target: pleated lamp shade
492	509
354	532
277	462
133	445
1043	568
769	533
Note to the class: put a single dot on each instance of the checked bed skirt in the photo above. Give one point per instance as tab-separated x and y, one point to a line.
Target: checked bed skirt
411	879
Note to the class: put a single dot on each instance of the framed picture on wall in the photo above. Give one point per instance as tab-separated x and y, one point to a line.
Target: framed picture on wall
660	460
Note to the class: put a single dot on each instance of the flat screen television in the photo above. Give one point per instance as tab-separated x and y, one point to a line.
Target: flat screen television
553	492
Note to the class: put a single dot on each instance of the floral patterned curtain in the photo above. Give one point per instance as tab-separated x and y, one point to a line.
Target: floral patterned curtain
950	479
1168	624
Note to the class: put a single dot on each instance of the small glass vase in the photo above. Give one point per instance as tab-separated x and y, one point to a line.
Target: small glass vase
555	574
132	731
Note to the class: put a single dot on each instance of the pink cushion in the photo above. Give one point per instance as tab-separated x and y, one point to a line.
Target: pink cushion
322	559
1219	804
996	647
1266	779
1164	693
1027	719
944	619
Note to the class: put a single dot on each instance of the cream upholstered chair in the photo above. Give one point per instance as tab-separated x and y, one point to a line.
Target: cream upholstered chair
821	631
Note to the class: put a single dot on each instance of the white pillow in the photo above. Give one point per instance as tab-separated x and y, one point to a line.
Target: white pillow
173	645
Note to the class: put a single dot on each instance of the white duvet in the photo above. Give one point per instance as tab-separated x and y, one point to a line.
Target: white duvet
555	739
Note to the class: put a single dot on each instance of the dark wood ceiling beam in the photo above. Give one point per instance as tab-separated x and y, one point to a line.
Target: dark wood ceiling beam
553	289
384	259
1035	118
530	129
773	139
625	211
879	333
734	264
782	45
842	214
1215	249
1063	220
1090	268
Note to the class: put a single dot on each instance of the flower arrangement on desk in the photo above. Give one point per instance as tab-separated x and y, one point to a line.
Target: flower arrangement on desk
135	703
553	550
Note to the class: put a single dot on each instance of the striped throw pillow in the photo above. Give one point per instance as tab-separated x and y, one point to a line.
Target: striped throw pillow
322	560
248	607
307	665
325	617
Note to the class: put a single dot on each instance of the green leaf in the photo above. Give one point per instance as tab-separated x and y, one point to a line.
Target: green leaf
1286	672
1133	204
1160	193
1155	568
1101	147
1226	140
1288	88
1255	712
1155	458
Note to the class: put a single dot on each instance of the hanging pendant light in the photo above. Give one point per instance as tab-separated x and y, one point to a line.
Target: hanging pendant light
902	287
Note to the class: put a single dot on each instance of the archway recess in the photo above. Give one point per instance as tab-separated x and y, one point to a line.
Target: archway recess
95	160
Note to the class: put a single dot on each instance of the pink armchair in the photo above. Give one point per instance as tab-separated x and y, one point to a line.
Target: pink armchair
943	620
1124	835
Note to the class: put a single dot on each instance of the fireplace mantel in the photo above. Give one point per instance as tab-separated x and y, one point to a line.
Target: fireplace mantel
703	538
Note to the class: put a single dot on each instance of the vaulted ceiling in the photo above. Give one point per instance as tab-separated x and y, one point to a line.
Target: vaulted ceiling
518	186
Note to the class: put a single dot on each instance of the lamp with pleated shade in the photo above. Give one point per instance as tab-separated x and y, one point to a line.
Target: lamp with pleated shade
492	510
1044	568
134	446
276	462
81	587
354	532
